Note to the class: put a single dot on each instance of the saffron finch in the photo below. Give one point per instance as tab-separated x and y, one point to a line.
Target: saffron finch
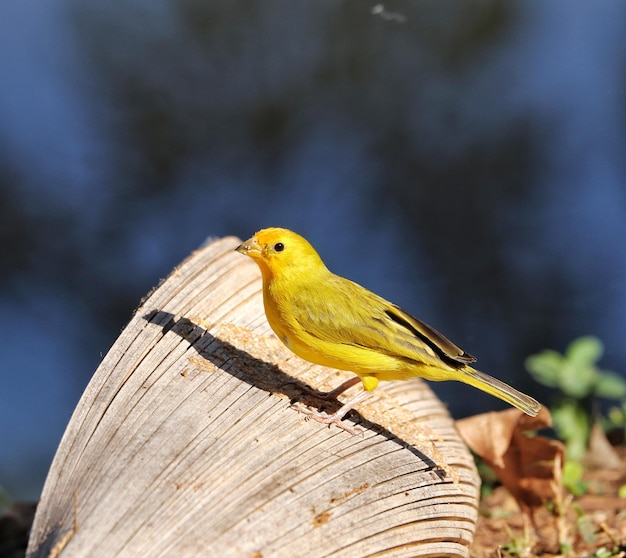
332	321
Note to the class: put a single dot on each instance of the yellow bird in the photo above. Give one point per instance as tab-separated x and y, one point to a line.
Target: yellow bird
332	321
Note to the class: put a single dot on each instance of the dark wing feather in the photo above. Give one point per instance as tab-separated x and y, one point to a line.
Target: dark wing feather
430	335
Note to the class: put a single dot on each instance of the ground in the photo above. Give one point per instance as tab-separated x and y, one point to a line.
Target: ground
591	525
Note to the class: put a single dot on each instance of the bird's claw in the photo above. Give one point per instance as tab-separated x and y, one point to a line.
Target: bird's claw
325	418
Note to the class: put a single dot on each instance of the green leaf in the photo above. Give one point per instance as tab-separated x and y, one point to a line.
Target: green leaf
610	385
565	548
578	382
573	478
572	426
587	528
584	352
545	367
617	417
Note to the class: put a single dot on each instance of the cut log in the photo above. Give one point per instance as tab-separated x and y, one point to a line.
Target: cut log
185	444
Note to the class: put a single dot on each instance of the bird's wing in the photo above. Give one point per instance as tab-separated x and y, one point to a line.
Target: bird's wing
429	335
350	314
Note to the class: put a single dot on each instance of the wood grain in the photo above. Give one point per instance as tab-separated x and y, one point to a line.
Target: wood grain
184	444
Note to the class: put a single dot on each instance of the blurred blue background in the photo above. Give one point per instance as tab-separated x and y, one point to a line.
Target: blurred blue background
465	159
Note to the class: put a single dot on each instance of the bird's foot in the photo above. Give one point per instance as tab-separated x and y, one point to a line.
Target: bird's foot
335	418
326	418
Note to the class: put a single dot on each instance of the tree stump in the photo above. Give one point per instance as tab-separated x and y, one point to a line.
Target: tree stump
185	444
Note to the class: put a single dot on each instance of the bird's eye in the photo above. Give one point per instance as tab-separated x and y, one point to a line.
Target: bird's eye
279	247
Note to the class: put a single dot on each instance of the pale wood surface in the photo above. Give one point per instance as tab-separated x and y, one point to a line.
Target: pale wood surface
184	444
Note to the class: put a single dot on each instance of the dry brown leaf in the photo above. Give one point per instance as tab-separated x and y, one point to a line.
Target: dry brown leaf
601	454
530	467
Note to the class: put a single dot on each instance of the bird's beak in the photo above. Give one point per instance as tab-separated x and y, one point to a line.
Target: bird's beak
250	247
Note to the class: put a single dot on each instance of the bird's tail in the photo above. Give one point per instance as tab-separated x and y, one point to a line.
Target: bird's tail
499	389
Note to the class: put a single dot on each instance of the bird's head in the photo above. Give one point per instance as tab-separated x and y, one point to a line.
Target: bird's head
281	252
